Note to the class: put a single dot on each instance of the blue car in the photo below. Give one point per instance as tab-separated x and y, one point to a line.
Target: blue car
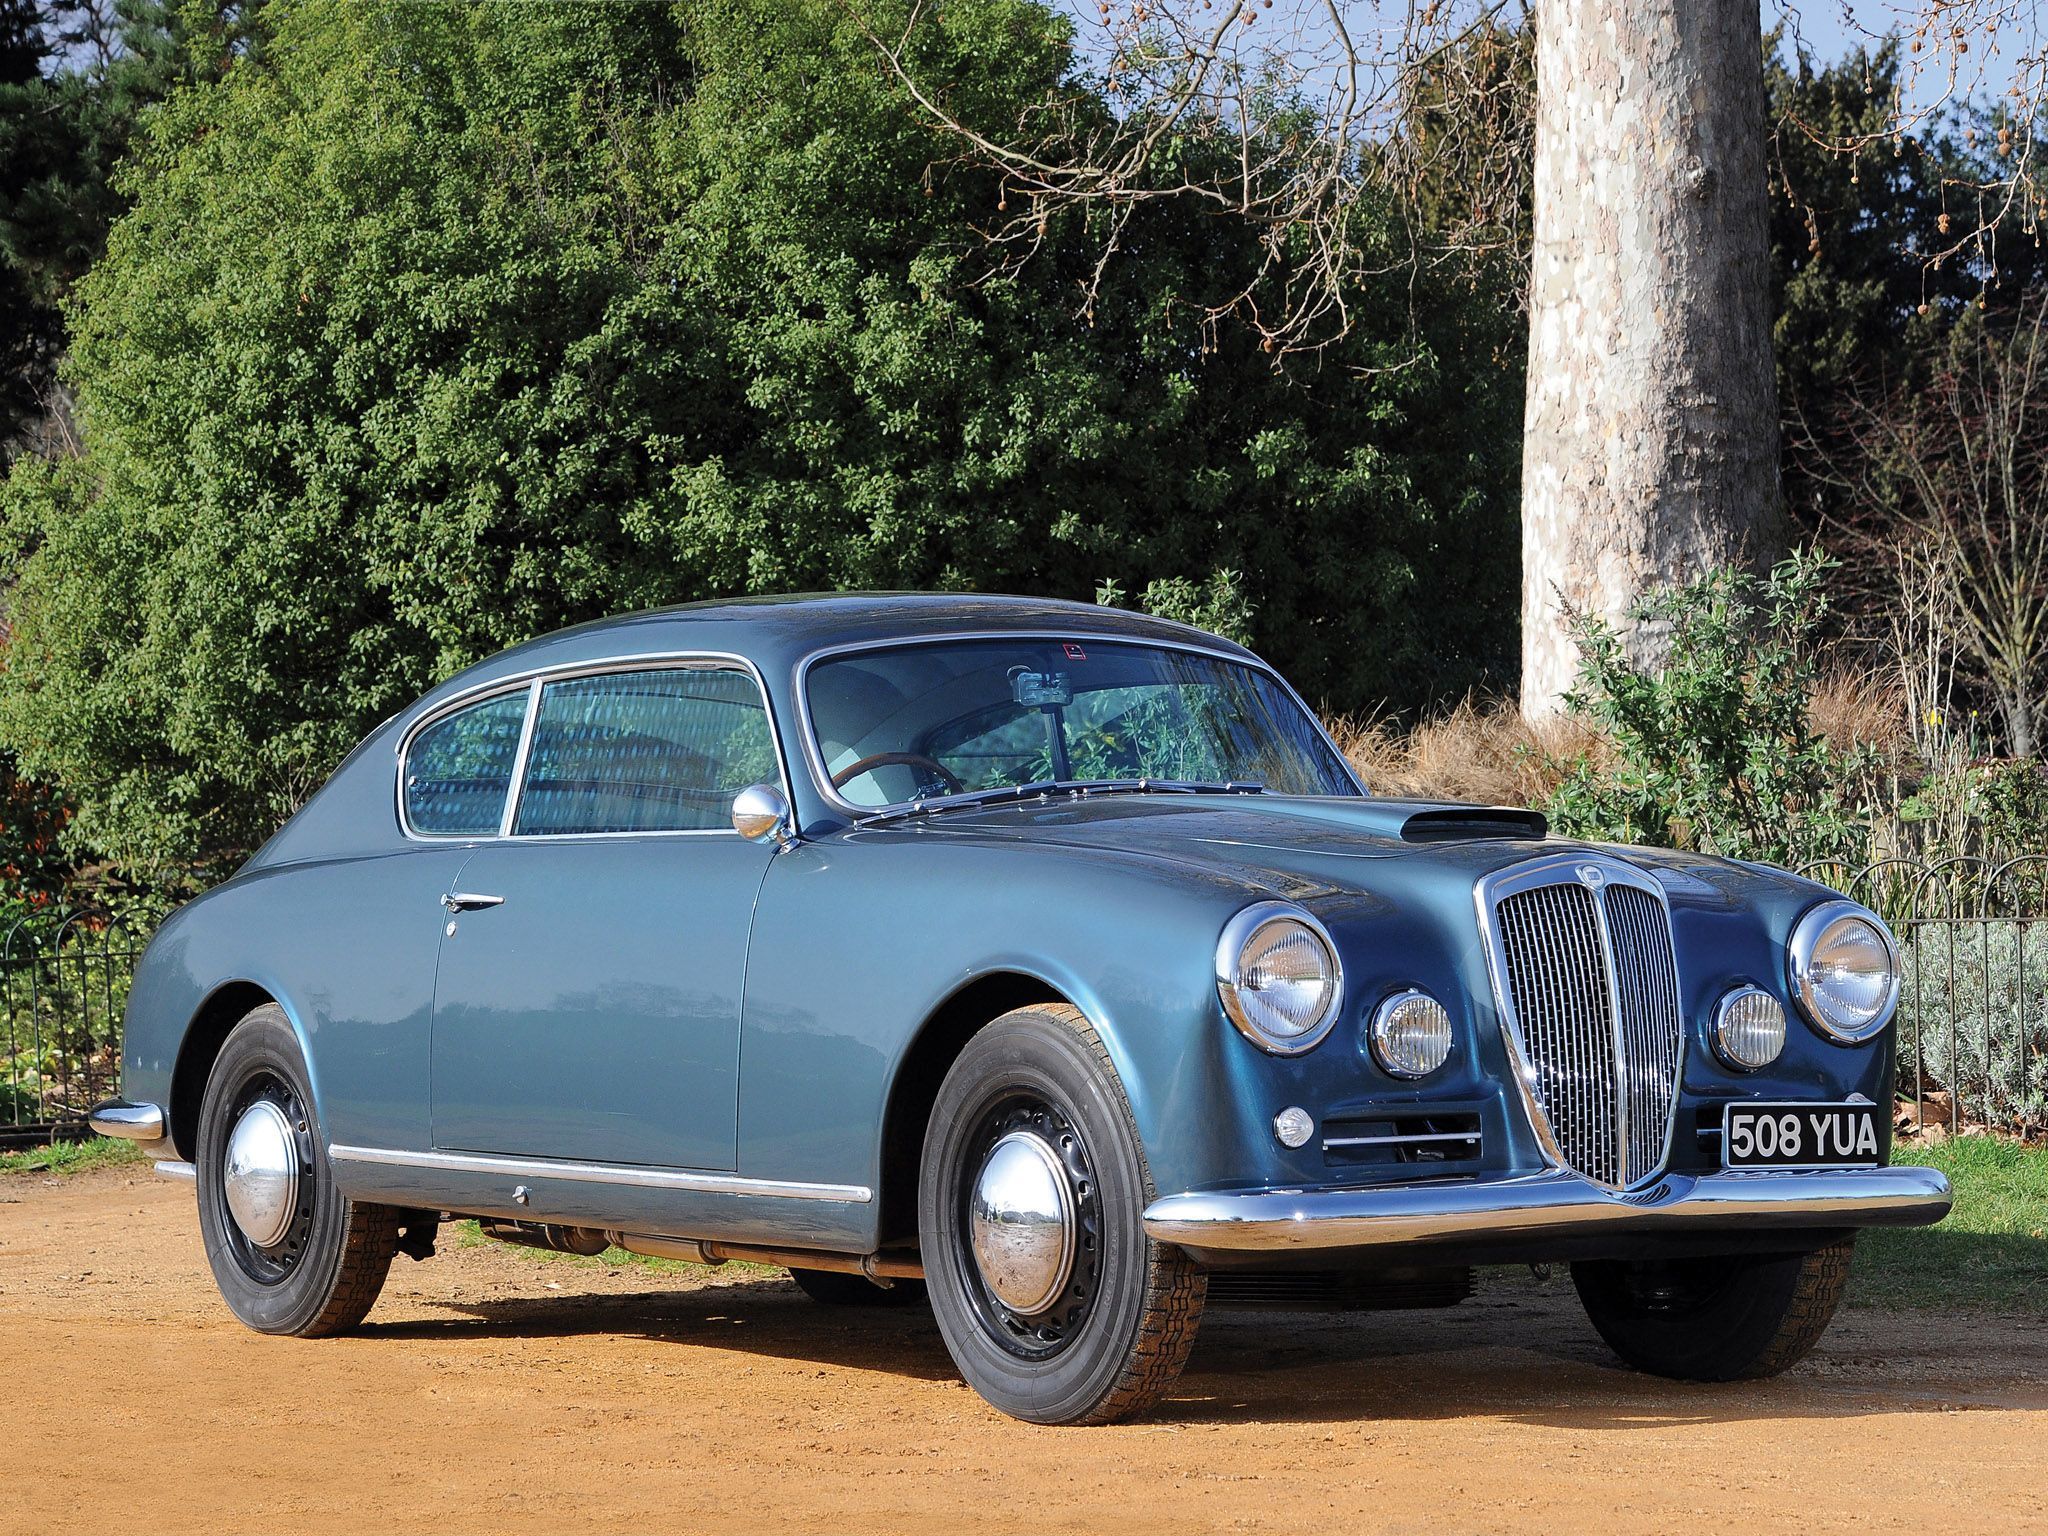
1043	963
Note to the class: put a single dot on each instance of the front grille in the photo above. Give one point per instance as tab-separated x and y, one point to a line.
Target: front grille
1589	975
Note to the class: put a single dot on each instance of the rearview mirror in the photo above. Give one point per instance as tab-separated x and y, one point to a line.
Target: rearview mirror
760	812
1041	690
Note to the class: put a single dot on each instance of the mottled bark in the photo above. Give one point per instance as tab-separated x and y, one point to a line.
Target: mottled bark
1650	449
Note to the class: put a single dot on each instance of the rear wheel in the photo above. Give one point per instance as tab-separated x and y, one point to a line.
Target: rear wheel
289	1253
1715	1319
831	1288
1054	1303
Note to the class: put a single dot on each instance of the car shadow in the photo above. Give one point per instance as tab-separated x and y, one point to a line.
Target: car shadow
1517	1351
766	1316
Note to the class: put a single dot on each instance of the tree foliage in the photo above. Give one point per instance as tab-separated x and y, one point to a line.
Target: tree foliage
76	77
432	328
1859	297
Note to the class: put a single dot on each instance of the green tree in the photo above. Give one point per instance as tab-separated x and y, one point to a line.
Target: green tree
25	325
76	76
1858	301
432	328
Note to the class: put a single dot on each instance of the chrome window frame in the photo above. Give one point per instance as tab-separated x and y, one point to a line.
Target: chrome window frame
821	775
532	682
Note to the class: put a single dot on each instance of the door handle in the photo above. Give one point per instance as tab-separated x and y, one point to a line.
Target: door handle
467	901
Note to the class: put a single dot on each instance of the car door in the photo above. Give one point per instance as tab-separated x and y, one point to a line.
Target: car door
587	1001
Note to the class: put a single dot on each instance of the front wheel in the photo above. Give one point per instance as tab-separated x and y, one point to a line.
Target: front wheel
1735	1318
1056	1306
289	1253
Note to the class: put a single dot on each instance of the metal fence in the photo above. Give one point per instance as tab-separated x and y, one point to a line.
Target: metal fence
1973	1006
63	985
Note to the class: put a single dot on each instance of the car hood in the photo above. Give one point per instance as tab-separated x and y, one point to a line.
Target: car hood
1302	847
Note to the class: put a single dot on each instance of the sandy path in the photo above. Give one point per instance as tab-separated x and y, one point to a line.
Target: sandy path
494	1391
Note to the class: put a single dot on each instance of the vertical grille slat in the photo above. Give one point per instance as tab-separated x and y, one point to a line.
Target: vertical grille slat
1650	1025
1590	975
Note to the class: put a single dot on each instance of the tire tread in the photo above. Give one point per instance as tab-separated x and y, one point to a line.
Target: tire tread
369	1242
1762	1333
1822	1280
1176	1288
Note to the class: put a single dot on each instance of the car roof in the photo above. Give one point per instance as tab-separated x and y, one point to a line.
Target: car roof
355	809
777	633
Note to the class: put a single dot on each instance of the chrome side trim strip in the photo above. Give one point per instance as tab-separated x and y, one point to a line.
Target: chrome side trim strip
1543	1205
603	1173
131	1122
167	1169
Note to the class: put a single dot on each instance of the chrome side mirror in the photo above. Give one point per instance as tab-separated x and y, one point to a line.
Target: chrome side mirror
760	812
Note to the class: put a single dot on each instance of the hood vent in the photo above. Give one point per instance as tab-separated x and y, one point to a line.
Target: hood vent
1456	823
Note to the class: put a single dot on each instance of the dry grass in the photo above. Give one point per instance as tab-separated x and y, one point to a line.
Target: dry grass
1483	752
1862	709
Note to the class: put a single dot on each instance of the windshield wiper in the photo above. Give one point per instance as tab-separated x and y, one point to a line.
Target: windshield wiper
1180	786
958	799
1079	788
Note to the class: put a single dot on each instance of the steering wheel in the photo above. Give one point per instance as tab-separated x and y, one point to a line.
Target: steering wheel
854	770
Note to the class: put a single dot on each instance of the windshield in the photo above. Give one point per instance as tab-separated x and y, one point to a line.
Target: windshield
949	717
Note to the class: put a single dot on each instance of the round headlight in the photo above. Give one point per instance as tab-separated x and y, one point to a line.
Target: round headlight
1410	1034
1845	971
1278	976
1749	1028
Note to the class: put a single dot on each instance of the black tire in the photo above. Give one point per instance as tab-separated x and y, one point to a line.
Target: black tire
1715	1319
1115	1340
324	1275
830	1288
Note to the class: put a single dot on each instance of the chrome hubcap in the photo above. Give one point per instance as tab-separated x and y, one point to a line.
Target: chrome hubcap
1021	1223
261	1177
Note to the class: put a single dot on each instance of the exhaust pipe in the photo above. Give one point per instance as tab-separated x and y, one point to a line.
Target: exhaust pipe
539	1234
590	1241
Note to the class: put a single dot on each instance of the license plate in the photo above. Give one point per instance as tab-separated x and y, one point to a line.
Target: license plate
1800	1136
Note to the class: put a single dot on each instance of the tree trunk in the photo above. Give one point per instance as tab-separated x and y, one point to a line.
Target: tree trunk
1651	432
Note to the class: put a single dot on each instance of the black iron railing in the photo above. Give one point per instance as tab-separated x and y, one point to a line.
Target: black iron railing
63	986
1973	1008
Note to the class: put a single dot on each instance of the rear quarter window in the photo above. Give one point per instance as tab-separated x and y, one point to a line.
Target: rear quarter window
459	769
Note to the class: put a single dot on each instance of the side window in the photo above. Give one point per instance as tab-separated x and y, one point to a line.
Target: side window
649	751
458	769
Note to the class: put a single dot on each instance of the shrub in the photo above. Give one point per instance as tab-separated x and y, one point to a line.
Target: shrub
1715	749
1219	604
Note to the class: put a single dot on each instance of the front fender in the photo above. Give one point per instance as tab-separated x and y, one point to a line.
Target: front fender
859	939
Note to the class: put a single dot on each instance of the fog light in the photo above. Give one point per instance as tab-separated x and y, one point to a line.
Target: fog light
1294	1126
1410	1034
1749	1028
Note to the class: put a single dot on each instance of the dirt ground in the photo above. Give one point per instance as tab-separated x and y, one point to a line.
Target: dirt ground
497	1391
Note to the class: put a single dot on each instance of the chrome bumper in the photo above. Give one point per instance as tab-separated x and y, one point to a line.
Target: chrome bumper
1544	1206
131	1122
